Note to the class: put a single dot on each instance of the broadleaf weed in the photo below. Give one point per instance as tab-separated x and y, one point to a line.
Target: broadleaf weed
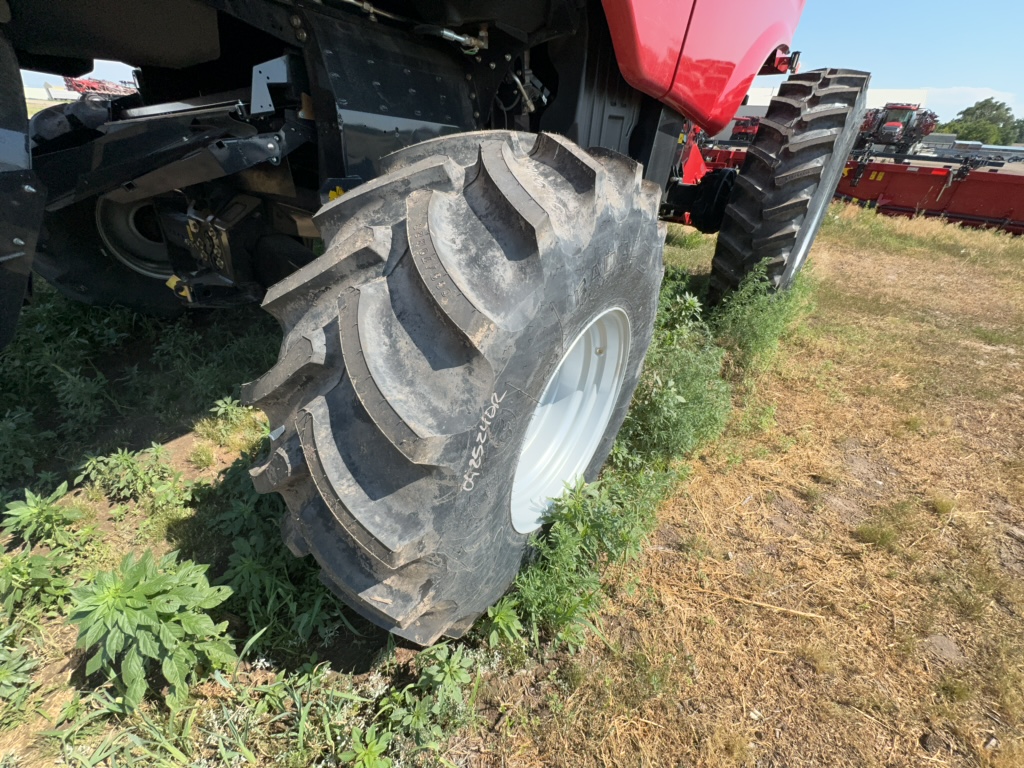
149	614
41	520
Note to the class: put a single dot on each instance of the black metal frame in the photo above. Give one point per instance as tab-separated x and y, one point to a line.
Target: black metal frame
341	89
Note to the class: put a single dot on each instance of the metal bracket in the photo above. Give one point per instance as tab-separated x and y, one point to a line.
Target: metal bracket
223	157
280	71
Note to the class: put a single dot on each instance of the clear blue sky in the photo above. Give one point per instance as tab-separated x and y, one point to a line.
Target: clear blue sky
961	51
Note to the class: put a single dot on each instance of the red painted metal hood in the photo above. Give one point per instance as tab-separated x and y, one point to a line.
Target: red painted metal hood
699	56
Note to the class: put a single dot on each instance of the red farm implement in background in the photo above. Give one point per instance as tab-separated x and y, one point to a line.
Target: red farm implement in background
745	129
88	86
970	194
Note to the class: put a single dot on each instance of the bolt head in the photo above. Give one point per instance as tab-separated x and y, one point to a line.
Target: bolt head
18	242
301	36
492	65
295	21
29	189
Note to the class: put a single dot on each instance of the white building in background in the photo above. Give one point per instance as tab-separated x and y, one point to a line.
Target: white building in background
758	98
50	93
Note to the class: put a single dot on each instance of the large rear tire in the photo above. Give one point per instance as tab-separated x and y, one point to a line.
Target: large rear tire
788	178
468	343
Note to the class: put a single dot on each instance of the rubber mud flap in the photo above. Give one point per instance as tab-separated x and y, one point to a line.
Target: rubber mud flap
417	347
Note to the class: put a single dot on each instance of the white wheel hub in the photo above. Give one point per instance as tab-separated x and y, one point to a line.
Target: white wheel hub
571	417
131	233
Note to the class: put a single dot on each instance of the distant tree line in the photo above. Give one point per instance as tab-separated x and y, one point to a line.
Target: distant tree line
988	121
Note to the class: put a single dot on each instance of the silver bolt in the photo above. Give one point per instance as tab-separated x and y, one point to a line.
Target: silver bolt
301	36
476	114
469	77
295	21
491	65
270	145
29	189
508	57
599	351
18	242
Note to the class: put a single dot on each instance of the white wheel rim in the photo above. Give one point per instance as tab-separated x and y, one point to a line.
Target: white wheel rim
571	417
138	248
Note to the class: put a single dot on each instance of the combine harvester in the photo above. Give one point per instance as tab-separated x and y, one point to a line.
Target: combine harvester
976	186
899	128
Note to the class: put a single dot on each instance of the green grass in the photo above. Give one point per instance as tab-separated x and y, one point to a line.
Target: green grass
889	528
688	250
81	380
683	401
84	391
921	238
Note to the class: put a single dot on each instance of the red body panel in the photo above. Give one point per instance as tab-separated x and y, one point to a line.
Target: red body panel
699	56
648	36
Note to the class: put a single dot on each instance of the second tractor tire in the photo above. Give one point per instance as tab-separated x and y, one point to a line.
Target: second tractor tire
788	178
469	342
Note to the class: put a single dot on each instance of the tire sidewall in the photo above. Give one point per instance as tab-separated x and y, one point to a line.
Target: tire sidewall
480	521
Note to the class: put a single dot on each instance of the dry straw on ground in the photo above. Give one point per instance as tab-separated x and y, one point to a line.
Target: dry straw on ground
839	584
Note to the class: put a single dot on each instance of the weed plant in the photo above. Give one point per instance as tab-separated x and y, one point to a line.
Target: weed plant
72	370
276	593
41	520
750	322
16	683
681	400
28	580
19	439
127	475
151	613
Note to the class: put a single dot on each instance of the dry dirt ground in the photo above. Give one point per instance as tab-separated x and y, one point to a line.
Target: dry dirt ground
840	582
